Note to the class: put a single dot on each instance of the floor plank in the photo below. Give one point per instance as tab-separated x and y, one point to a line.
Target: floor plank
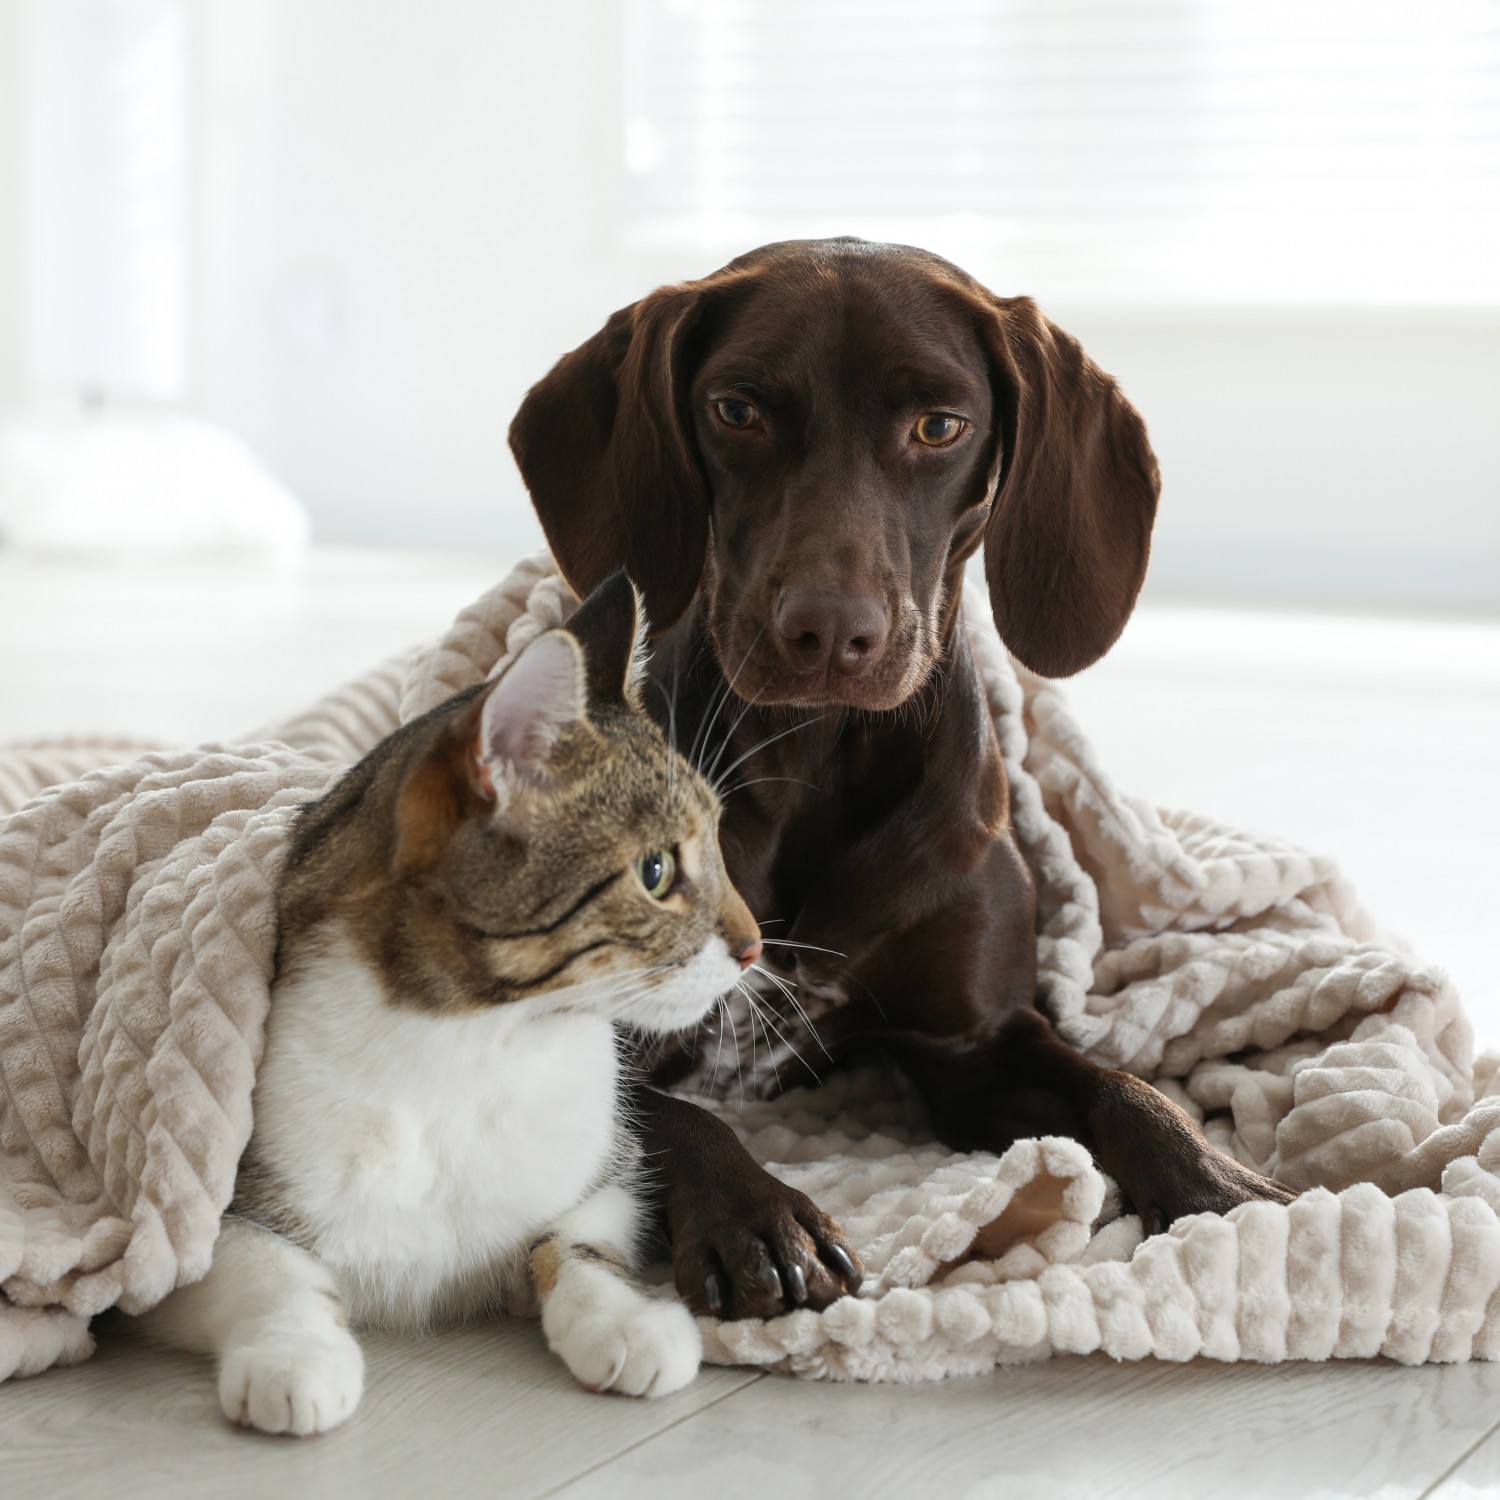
1476	1475
483	1411
1076	1427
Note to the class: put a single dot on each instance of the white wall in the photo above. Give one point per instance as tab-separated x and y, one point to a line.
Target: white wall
416	223
406	211
10	201
1319	456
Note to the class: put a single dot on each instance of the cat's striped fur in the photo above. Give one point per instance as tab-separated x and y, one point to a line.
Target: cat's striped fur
437	1129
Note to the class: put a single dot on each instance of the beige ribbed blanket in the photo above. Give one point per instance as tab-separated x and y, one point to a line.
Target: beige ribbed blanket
136	944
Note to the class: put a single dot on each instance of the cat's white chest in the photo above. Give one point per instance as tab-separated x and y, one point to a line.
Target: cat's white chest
421	1154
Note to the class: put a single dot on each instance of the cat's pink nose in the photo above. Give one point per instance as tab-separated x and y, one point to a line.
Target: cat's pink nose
750	952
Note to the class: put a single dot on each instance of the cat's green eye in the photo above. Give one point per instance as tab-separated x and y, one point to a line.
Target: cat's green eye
657	872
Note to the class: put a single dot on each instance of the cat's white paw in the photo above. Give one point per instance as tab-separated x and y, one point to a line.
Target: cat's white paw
648	1349
291	1382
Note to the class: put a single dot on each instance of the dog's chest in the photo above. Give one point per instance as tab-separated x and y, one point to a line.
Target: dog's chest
418	1155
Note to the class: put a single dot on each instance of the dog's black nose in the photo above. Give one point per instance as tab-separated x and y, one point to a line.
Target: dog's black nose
844	631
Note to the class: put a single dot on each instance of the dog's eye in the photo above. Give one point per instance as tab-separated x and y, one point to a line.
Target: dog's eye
736	414
938	428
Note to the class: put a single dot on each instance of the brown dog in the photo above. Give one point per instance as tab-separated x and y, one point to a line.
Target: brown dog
794	458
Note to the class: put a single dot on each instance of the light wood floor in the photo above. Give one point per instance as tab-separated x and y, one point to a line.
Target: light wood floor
1378	740
487	1412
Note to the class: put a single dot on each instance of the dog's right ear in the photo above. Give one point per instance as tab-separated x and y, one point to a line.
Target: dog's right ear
1075	488
605	447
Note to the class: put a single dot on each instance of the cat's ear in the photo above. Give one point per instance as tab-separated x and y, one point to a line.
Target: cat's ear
543	693
610	625
499	743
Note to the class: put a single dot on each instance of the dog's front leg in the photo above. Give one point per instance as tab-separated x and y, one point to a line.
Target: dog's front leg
1025	1081
744	1245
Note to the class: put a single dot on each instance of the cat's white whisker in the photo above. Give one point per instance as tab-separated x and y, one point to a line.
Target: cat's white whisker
739	1064
789	991
756	749
671	701
757	1015
721	699
740	786
739	718
792	943
723	1011
766	1019
705	725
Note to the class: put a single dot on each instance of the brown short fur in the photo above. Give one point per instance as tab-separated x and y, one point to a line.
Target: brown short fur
810	558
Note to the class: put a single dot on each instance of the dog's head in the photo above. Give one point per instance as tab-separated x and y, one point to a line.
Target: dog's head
818	436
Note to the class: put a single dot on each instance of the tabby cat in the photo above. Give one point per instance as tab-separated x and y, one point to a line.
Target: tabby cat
438	1133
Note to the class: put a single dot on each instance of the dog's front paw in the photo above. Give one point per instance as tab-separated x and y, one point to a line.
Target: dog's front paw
293	1383
758	1248
645	1349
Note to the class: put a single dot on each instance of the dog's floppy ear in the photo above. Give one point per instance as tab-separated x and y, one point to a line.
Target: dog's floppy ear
605	448
1075	489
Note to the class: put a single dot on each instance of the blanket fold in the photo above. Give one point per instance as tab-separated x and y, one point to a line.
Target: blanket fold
137	944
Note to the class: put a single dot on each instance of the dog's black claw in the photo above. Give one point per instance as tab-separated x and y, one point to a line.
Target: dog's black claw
843	1264
796	1284
713	1293
770	1278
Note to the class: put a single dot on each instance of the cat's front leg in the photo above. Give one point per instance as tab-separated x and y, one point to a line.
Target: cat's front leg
603	1324
272	1316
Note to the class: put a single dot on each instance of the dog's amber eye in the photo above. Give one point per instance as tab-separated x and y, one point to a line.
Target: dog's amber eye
736	414
657	872
938	428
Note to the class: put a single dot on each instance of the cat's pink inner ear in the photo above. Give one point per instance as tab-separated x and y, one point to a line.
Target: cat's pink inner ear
542	694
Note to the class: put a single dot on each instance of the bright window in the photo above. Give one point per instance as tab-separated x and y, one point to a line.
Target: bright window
1227	150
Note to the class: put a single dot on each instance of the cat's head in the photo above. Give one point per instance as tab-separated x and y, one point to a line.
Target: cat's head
542	839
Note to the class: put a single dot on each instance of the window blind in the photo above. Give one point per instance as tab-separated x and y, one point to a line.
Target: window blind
1287	148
